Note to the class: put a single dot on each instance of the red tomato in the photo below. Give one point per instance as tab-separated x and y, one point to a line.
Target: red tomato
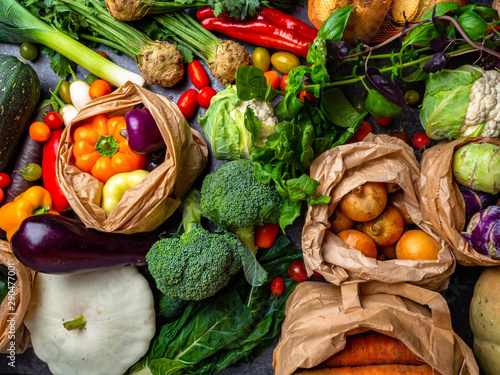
384	121
265	234
4	180
198	75
317	274
364	129
2	195
273	78
283	82
277	286
306	95
421	141
205	96
187	102
297	271
403	136
54	120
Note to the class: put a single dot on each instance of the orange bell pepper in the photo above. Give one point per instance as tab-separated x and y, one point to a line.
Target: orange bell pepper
101	150
34	201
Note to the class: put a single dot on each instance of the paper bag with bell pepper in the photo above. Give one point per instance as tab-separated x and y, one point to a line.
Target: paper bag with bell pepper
94	148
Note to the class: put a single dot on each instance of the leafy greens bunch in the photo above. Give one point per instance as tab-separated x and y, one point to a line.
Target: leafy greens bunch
231	328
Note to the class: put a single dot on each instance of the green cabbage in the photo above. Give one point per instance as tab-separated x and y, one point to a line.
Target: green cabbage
232	127
446	101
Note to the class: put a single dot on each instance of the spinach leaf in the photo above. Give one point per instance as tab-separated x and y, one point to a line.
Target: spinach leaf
338	109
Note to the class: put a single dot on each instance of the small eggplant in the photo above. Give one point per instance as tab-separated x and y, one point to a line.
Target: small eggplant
143	134
58	245
475	201
483	232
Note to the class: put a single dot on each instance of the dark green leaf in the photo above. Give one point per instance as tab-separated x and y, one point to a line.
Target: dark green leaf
334	26
254	273
252	124
338	110
473	25
250	83
319	200
302	187
289	212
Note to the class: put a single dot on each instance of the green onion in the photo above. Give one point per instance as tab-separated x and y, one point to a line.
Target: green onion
18	25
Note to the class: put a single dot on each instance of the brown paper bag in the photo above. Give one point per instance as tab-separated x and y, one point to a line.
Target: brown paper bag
13	334
442	204
319	316
379	158
148	204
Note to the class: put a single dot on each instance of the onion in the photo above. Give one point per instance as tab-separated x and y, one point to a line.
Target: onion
365	202
386	228
417	245
359	241
339	221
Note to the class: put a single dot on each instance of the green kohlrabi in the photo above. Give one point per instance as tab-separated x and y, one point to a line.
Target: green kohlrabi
235	127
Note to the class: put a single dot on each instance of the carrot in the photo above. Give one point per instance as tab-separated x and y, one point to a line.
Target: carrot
374	370
373	348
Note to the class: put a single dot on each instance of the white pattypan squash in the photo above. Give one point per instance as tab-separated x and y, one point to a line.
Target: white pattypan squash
111	313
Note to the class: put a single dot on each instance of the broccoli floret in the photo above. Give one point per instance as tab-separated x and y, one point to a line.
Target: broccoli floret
171	307
197	264
233	198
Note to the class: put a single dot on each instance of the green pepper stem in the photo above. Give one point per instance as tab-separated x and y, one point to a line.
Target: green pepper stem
39	210
77	323
106	145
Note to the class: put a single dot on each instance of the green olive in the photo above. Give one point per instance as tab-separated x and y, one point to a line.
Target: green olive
283	61
28	51
261	58
412	97
64	92
91	78
359	104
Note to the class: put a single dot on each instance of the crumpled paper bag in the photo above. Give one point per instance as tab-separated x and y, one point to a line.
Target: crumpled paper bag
319	316
13	333
378	158
148	204
442	204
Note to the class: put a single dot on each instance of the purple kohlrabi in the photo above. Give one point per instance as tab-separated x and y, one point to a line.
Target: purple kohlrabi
483	232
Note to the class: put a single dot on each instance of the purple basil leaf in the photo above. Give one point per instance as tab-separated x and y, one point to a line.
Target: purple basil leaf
436	63
386	87
438	43
494	37
337	50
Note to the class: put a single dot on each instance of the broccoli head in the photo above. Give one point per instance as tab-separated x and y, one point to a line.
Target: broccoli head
197	264
232	197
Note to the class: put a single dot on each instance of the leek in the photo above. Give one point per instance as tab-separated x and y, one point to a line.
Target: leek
18	25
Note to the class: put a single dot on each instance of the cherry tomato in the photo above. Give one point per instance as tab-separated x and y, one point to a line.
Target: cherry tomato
53	120
28	51
4	180
283	82
91	78
198	75
277	286
205	96
2	195
384	121
297	271
31	172
40	131
306	95
99	88
364	129
187	102
273	78
317	274
265	234
412	97
359	104
403	136
421	141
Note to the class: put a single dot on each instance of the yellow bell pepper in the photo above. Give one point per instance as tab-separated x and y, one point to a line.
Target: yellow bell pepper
34	201
117	185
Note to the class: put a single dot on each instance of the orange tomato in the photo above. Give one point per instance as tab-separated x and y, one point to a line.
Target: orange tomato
283	82
272	78
40	131
99	88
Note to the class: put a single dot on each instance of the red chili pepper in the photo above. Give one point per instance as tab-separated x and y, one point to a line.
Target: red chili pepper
49	171
261	33
284	20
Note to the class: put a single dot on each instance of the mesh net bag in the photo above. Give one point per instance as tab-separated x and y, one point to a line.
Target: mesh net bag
372	21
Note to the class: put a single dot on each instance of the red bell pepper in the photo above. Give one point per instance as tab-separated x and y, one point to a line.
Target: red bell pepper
49	171
268	28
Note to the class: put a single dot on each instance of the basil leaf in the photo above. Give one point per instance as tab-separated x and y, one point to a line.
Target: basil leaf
338	110
386	87
334	26
473	25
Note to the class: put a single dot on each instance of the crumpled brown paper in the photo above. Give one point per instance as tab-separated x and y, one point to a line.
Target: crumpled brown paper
148	204
319	316
13	333
443	206
379	158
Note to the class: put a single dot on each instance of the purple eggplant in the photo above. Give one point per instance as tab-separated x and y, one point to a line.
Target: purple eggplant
476	201
483	232
142	132
58	245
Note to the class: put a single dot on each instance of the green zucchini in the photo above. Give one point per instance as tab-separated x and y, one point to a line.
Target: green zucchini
19	96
